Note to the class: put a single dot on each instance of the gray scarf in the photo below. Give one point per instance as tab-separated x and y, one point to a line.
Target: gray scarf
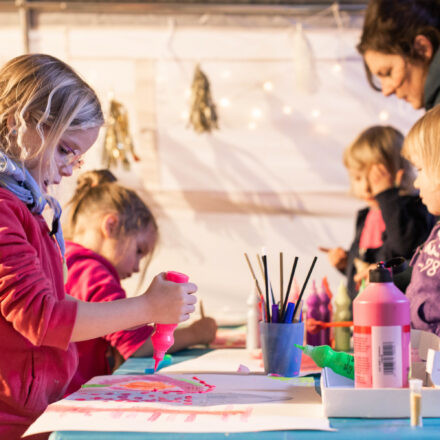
18	180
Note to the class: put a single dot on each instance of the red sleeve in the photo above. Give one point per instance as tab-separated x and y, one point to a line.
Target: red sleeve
89	280
27	297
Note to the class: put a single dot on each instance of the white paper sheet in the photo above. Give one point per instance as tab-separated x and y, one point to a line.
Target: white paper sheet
220	361
230	360
187	403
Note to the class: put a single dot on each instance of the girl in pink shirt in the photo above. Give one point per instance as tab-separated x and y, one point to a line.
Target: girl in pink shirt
110	230
49	117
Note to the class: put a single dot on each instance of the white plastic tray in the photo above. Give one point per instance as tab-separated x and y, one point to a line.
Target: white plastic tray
341	399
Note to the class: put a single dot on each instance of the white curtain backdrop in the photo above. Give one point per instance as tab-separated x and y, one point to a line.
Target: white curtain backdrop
272	175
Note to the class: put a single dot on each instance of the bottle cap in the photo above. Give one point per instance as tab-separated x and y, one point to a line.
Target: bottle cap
177	277
380	274
397	265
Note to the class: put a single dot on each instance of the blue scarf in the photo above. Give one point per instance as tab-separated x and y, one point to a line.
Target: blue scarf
18	180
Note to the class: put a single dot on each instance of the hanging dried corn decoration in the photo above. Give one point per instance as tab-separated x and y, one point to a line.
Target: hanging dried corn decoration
203	115
118	144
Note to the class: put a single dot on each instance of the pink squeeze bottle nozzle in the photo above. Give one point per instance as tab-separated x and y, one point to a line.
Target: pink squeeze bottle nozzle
163	338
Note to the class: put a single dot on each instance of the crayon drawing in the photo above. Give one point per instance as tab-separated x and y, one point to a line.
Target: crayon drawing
193	403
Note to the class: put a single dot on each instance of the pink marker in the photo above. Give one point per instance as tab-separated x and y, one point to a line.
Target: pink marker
163	336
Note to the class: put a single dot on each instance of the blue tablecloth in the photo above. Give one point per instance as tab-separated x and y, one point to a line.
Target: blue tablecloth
348	429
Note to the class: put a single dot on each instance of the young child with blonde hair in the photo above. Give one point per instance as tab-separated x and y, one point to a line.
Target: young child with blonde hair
422	149
110	230
49	117
395	221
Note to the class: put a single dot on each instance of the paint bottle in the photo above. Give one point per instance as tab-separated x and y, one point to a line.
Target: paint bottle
313	302
381	319
326	287
323	356
342	313
325	316
252	328
163	336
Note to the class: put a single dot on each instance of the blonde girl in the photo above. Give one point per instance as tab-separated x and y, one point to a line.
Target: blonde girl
422	149
110	231
49	117
395	221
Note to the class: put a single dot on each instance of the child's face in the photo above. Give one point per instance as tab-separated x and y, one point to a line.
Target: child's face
361	186
68	152
130	250
429	192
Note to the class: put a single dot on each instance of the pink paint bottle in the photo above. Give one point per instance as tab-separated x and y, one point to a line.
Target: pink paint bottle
163	336
313	311
325	315
381	337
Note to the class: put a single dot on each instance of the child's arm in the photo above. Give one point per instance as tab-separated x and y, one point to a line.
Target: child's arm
407	223
407	220
202	331
337	257
164	302
429	312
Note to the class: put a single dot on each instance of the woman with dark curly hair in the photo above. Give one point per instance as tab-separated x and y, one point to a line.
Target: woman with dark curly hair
400	47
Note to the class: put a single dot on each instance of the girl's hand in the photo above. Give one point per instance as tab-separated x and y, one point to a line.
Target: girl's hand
338	258
204	330
380	179
364	274
168	302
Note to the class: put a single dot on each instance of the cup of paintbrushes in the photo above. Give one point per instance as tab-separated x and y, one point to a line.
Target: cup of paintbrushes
280	356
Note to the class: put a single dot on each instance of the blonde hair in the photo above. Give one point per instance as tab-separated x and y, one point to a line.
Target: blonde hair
422	142
381	145
97	192
43	92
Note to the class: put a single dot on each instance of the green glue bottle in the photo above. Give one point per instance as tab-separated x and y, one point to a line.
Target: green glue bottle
324	356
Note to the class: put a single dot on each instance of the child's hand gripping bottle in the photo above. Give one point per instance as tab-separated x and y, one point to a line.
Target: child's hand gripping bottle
381	317
163	337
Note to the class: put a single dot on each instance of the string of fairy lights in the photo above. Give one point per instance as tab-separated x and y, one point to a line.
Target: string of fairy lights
200	107
303	55
256	113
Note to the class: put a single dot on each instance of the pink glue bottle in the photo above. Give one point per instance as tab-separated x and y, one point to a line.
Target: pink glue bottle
381	318
163	336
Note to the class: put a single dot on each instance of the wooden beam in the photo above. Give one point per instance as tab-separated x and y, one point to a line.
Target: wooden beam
24	15
293	8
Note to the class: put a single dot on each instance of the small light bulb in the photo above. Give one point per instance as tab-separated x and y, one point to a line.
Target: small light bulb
316	113
287	110
224	102
336	68
187	93
384	115
268	86
252	125
226	74
256	113
321	129
184	114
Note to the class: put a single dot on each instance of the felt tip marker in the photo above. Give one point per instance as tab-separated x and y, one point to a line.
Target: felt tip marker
275	313
289	313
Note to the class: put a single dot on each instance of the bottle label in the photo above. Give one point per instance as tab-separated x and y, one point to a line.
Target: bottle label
362	356
386	351
381	356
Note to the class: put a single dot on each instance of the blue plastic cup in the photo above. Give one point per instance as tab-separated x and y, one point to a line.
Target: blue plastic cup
280	355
